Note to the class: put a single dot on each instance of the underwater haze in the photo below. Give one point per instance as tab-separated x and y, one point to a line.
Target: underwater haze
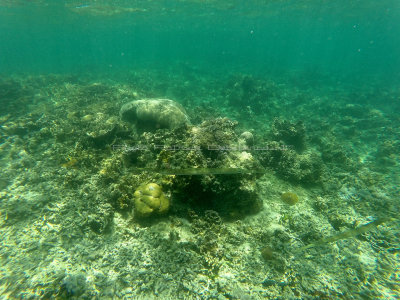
343	38
199	149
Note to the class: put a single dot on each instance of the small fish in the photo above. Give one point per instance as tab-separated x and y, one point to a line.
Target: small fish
71	163
82	6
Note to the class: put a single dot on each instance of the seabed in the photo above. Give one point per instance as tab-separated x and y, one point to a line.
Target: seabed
67	223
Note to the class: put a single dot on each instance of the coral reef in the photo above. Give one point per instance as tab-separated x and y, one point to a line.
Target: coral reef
71	167
217	145
290	133
193	150
304	168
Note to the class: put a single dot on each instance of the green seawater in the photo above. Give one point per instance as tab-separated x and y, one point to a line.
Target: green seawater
341	38
267	97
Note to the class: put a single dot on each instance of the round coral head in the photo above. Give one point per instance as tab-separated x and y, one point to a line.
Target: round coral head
290	198
149	200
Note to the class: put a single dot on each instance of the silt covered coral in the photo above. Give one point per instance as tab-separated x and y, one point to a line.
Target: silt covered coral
151	114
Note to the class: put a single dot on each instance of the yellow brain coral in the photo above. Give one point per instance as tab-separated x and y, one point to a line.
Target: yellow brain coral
149	200
290	198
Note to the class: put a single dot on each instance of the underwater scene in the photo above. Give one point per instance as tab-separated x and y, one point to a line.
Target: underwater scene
199	149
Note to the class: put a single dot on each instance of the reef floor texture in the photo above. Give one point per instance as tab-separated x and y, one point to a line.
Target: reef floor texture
297	198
